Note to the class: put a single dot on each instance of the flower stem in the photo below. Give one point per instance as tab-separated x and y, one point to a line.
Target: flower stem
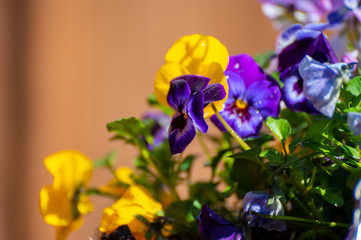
242	143
304	220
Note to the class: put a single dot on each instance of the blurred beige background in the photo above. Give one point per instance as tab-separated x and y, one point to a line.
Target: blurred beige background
68	67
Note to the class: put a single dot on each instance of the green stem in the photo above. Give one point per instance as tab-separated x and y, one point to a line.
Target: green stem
294	198
204	146
342	164
170	186
313	177
242	143
96	191
278	170
304	220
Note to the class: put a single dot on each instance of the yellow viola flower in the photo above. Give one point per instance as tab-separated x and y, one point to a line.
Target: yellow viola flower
194	54
135	201
113	187
63	204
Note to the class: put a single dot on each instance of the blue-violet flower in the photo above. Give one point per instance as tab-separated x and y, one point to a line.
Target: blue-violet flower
354	122
252	97
188	95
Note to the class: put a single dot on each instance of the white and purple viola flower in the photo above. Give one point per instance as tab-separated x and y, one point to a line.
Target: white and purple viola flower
264	203
322	83
188	95
302	42
252	97
213	227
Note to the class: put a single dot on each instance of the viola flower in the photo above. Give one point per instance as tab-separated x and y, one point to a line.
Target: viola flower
264	203
194	54
287	12
213	227
123	175
354	122
322	83
253	96
135	201
345	9
312	43
63	204
354	232
188	95
160	127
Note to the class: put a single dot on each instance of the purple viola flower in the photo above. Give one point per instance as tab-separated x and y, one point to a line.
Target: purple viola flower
354	232
354	122
322	83
264	203
306	41
188	95
252	97
287	12
213	227
160	125
345	10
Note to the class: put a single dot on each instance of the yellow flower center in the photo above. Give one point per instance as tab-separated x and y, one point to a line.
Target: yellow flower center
240	104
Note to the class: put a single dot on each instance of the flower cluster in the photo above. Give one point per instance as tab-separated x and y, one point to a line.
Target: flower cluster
283	165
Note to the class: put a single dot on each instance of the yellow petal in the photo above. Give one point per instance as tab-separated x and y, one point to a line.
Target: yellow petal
163	78
55	208
84	205
62	232
135	201
123	174
70	169
194	50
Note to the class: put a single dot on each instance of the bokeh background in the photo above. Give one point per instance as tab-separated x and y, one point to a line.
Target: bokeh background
68	67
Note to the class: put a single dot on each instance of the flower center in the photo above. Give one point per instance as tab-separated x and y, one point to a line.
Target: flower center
240	104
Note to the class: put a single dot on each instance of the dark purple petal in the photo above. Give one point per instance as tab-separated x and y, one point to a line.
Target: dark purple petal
236	85
247	68
265	203
178	94
213	92
213	227
292	92
194	109
323	51
181	133
195	82
338	16
264	96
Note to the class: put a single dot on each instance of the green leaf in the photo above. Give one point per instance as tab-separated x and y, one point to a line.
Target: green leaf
353	178
187	163
263	59
330	195
279	127
354	86
250	154
318	129
106	161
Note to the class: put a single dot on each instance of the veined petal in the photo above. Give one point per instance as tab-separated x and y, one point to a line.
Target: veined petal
55	208
178	94
70	169
213	92
195	82
264	96
195	50
181	133
194	110
247	68
163	78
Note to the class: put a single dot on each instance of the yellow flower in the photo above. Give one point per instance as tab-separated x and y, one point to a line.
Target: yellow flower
63	204
122	174
135	201
193	54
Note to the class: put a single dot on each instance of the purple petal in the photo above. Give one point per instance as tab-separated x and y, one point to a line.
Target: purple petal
181	133
264	96
236	85
247	68
213	227
213	92
260	202
194	110
338	16
323	51
195	82
178	94
354	122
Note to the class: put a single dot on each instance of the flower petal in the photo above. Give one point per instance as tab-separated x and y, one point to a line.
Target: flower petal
354	122
195	82
70	169
213	92
236	82
247	68
178	94
195	50
163	78
194	110
264	96
181	133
